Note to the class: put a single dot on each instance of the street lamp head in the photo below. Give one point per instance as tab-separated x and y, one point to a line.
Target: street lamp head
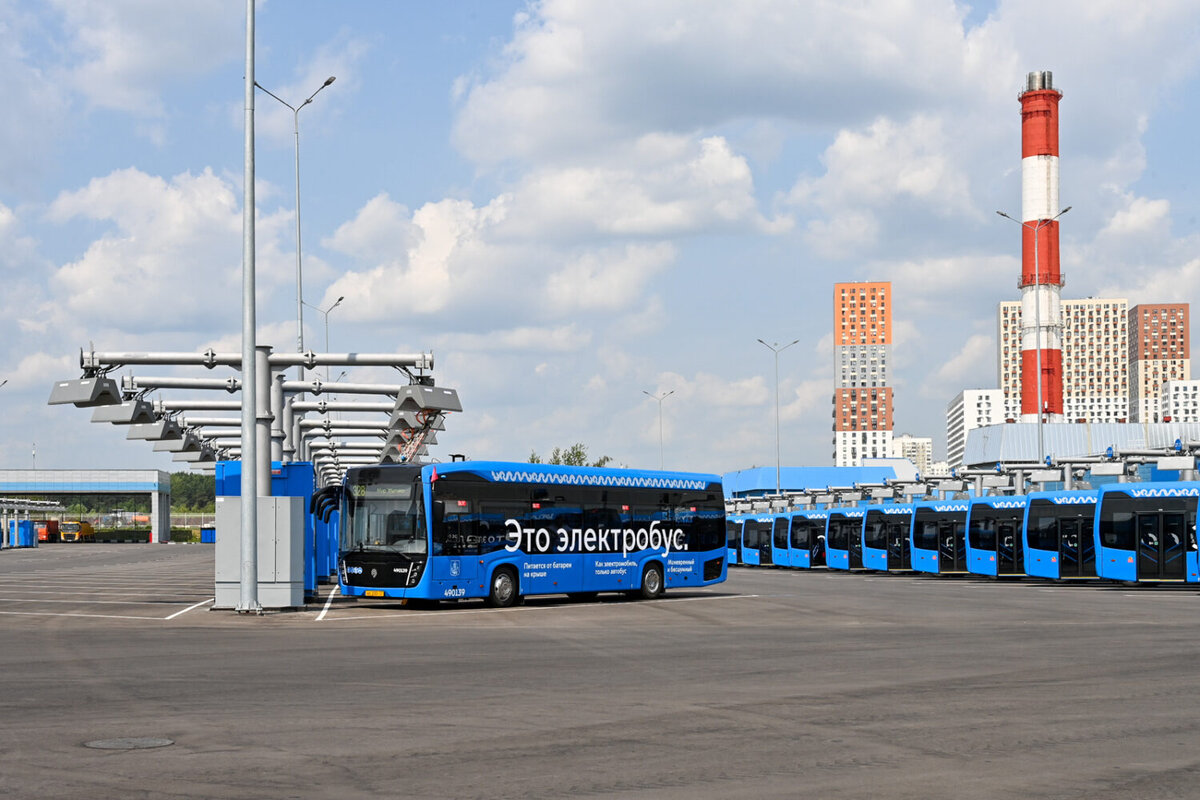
329	80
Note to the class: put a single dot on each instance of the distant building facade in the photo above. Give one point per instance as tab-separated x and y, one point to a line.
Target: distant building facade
862	398
1159	352
1179	401
1095	360
917	449
970	409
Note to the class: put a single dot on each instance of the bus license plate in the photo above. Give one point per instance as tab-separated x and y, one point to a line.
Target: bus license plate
373	593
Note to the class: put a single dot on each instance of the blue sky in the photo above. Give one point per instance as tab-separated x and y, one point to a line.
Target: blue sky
571	203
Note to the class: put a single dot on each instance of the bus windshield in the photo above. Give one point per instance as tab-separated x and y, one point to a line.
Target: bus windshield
385	517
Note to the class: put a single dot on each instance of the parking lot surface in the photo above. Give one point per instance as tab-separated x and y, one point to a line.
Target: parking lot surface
117	681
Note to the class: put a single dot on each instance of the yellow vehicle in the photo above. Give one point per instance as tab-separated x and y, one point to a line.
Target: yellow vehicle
76	531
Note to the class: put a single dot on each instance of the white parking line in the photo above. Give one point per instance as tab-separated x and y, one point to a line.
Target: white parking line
530	609
192	608
328	601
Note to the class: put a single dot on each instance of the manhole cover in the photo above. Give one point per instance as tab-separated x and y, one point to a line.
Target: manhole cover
135	743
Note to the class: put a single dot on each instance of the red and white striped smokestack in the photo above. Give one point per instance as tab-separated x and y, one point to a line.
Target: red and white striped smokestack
1041	281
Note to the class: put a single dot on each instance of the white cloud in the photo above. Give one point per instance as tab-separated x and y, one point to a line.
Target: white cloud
1140	217
974	362
173	258
600	280
126	50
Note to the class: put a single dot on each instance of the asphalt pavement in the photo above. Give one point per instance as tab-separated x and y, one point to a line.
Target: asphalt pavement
116	681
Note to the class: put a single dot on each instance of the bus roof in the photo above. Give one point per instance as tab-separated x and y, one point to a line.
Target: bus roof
517	472
1155	489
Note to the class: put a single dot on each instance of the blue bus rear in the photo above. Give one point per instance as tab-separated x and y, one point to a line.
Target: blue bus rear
886	531
1060	535
806	545
939	537
779	540
733	539
1146	532
756	539
501	531
995	540
843	539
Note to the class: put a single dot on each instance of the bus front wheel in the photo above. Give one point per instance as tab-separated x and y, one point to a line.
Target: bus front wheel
504	589
652	582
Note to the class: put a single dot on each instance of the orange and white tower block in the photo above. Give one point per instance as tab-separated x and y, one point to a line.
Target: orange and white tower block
1041	280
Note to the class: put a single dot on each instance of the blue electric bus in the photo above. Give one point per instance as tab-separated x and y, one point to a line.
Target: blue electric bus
939	533
733	538
886	532
1147	532
994	535
779	540
1060	535
843	538
806	544
501	531
756	539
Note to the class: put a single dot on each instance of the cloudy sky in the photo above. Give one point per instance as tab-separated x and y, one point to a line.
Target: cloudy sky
572	203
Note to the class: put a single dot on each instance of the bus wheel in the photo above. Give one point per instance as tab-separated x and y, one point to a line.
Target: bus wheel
652	582
504	588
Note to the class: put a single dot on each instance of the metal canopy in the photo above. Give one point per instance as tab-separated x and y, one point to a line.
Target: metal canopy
433	398
86	392
131	412
163	429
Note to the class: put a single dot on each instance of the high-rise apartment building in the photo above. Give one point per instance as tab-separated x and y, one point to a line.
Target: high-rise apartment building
1179	401
917	449
862	400
1158	352
970	409
1095	362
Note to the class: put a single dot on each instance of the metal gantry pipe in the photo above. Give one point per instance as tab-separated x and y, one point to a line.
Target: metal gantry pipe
249	509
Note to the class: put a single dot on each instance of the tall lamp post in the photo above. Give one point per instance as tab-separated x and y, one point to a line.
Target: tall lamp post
299	279
1036	227
776	349
325	313
660	399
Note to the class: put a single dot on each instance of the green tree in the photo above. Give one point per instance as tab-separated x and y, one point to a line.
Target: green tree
575	456
193	491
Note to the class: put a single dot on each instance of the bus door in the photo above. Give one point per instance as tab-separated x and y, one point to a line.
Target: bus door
1009	558
899	554
952	549
1162	542
733	541
779	547
1077	548
802	542
855	546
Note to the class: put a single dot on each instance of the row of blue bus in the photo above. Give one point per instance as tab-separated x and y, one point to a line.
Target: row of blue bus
1128	532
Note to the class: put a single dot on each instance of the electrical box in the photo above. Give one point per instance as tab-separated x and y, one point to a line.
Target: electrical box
280	552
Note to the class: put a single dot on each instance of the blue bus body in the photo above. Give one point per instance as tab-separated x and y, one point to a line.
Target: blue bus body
843	538
501	531
733	538
779	540
1146	532
1059	535
886	532
806	539
939	536
756	539
995	541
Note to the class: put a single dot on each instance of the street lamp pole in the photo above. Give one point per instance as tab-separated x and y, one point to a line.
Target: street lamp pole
660	399
1037	313
299	273
776	349
325	313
